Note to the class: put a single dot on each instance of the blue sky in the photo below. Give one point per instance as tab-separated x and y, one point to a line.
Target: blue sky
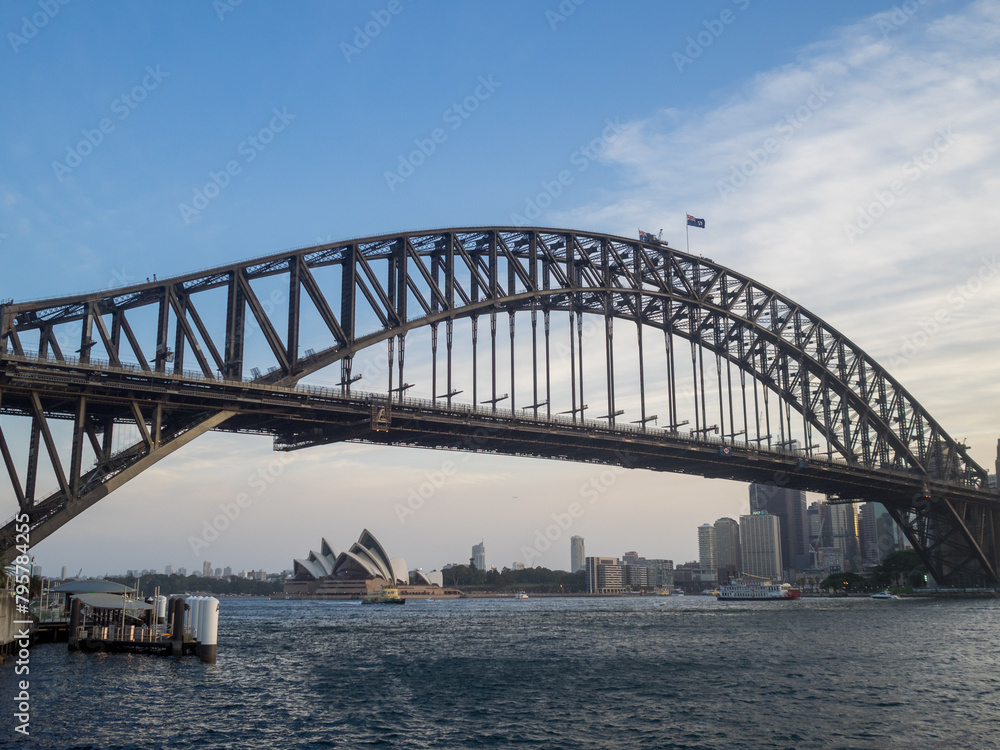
786	125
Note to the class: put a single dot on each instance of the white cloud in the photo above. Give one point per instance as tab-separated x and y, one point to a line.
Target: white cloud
801	152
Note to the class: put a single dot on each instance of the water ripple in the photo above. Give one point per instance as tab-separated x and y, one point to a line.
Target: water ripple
542	673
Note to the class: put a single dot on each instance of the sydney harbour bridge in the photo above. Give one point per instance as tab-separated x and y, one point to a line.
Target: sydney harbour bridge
533	342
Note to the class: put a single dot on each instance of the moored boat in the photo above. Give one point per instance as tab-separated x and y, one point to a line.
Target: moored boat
757	591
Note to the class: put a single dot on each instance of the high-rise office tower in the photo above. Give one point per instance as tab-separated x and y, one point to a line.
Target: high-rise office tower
479	556
577	558
867	535
844	529
727	548
760	545
790	507
707	557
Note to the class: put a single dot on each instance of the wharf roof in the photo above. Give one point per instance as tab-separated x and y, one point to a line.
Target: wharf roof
90	587
112	601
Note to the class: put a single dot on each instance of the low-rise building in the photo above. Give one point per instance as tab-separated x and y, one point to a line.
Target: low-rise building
605	575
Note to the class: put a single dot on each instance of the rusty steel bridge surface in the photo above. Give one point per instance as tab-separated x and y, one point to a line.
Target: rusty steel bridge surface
749	386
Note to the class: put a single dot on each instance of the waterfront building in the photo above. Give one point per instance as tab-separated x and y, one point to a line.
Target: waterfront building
691	577
362	570
64	572
479	556
604	575
636	576
661	573
206	569
577	556
706	550
789	506
610	575
227	571
168	570
727	549
683	574
760	545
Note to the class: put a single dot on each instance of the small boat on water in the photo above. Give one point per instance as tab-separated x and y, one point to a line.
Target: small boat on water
520	595
757	591
884	595
388	595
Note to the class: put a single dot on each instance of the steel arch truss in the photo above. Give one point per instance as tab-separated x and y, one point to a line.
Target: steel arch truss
364	292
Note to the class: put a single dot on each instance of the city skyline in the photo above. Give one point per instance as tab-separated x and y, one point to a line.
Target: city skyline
720	541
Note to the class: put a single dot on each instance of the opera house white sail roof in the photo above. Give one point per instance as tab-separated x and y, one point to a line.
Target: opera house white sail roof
366	558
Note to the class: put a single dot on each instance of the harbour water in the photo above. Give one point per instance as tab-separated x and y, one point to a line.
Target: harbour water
650	672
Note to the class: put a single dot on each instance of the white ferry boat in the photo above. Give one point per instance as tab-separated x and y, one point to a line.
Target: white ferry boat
884	595
756	591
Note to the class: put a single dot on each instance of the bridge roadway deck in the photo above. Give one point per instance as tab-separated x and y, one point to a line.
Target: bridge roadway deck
303	416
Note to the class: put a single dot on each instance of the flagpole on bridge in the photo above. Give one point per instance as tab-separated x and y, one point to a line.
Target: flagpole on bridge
687	234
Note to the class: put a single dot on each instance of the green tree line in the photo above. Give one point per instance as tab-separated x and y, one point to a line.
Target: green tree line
900	569
178	584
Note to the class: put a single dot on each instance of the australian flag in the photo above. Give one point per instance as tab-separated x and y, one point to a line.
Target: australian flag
647	237
693	222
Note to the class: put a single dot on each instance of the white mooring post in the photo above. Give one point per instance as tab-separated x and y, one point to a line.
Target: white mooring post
208	630
194	602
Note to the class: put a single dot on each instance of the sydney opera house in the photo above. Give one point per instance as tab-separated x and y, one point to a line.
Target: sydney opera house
363	569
